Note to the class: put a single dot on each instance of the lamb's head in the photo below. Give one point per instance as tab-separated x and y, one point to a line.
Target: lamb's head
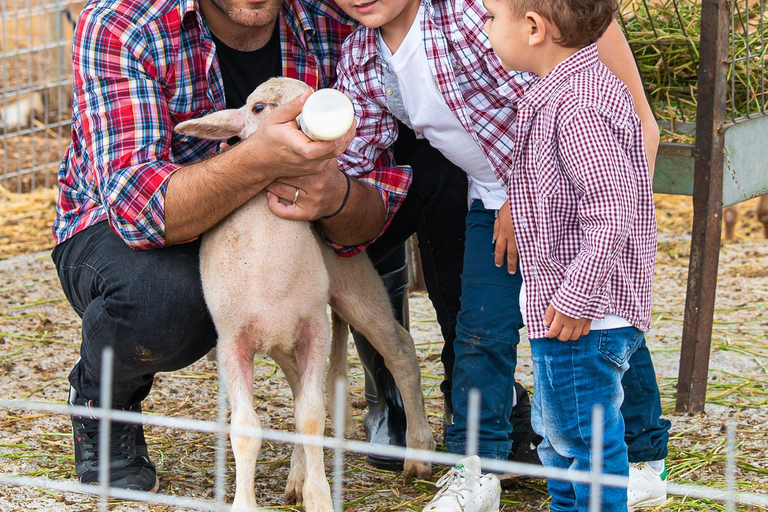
243	121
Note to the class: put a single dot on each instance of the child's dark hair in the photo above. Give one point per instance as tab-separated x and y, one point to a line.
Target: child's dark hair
580	22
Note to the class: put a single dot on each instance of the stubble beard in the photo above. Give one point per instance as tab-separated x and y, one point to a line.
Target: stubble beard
259	17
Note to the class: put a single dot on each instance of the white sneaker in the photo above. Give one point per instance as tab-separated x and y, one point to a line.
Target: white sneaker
647	487
465	489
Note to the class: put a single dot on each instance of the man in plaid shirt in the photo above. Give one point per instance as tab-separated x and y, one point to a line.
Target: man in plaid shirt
134	196
582	205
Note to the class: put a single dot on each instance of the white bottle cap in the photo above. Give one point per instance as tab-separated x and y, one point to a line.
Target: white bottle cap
327	115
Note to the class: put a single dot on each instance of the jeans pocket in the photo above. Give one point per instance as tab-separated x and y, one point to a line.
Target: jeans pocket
618	345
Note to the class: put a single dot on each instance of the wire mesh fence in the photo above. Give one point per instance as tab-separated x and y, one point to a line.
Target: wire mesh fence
35	90
730	495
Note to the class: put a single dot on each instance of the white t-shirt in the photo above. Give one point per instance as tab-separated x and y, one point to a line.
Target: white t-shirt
609	322
431	117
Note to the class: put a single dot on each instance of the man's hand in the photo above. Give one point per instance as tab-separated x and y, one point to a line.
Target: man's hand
284	151
564	327
308	197
504	240
315	194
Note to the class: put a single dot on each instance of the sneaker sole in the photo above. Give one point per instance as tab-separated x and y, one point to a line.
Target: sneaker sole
655	502
154	489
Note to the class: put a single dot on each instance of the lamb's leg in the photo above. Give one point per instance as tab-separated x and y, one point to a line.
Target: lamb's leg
239	370
295	484
309	410
337	369
359	297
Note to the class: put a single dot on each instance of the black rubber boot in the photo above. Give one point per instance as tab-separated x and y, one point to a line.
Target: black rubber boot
385	421
525	442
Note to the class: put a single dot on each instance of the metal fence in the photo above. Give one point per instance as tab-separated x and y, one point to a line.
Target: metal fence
35	90
730	495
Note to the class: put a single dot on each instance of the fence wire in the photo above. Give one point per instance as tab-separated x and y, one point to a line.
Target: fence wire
665	39
35	90
730	495
749	31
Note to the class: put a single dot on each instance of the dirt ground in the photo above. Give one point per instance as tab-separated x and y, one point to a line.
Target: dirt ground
39	340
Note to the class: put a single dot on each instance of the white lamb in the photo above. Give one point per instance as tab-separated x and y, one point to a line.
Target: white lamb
267	282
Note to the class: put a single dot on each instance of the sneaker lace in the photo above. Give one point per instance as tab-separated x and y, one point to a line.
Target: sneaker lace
120	439
454	482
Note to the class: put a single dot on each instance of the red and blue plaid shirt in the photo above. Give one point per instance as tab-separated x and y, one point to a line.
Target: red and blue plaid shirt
140	68
581	198
467	72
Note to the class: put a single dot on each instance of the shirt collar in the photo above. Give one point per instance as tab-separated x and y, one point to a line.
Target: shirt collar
538	95
299	16
189	10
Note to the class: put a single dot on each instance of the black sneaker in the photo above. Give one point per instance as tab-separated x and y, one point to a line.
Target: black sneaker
525	441
130	467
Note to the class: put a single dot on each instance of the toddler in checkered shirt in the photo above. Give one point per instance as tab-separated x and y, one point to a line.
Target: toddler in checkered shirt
582	207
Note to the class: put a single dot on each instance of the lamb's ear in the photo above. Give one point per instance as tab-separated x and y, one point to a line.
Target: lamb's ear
219	125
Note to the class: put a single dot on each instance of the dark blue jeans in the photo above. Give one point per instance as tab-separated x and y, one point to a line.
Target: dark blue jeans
487	334
147	305
486	356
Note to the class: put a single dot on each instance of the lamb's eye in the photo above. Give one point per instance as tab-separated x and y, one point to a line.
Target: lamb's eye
258	107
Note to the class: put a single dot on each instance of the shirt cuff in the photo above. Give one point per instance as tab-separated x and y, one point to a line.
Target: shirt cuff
574	304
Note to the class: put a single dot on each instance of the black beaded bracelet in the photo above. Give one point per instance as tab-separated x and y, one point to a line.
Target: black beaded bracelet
346	198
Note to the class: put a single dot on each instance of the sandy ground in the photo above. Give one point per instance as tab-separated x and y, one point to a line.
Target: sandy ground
39	340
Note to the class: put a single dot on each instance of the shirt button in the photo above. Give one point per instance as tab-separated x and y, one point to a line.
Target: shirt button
389	91
437	85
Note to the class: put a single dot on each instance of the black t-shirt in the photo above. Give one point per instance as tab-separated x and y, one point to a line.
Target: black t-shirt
242	72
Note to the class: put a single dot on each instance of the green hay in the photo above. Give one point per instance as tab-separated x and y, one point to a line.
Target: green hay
665	39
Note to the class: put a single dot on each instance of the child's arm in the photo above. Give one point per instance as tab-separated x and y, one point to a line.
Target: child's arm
616	54
376	128
504	240
369	156
607	187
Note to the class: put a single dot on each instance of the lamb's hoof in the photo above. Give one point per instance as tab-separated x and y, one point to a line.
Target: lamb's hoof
292	495
416	469
319	504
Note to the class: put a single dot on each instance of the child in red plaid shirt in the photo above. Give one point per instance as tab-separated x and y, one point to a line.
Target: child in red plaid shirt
582	207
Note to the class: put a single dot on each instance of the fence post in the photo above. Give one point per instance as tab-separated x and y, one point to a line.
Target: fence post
707	207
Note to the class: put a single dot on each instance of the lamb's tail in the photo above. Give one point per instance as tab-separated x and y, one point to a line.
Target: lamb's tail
337	368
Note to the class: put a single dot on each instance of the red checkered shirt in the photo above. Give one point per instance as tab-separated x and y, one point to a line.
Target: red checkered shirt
581	198
140	68
467	72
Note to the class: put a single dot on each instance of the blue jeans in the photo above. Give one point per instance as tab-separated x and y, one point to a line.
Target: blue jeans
486	356
487	334
647	433
570	379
